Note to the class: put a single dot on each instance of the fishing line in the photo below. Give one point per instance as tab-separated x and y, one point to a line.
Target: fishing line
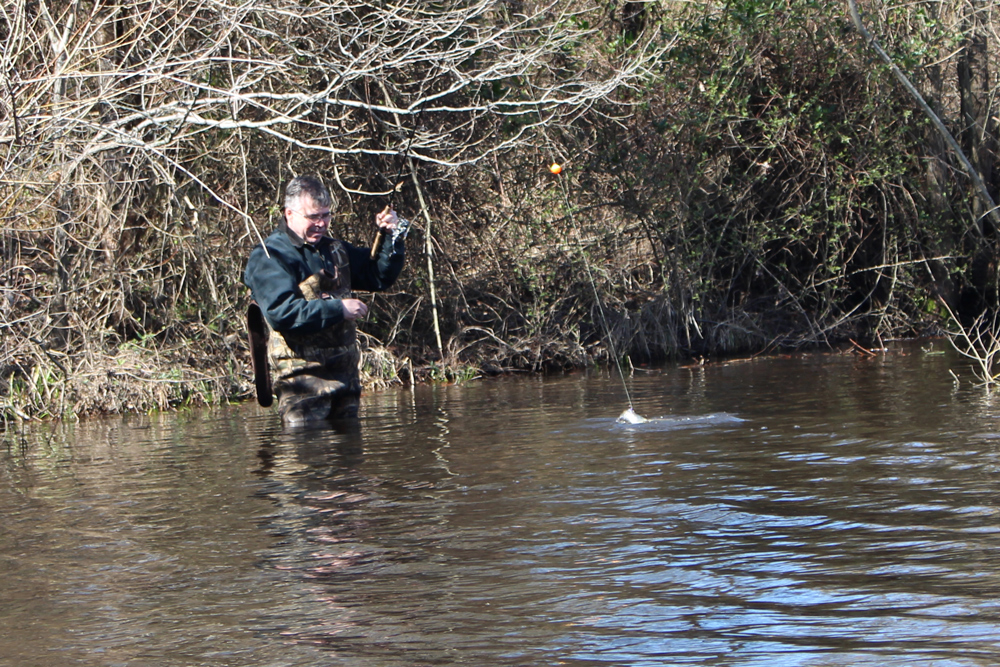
600	305
629	416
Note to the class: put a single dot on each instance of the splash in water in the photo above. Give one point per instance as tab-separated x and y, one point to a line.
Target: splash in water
630	417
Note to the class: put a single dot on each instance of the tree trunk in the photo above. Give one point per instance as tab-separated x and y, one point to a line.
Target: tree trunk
979	140
979	128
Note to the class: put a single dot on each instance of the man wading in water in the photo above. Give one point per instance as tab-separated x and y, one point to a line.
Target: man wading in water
303	286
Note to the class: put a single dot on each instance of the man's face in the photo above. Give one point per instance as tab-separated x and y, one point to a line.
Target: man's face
308	219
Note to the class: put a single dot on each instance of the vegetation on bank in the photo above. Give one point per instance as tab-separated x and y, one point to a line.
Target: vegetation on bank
738	176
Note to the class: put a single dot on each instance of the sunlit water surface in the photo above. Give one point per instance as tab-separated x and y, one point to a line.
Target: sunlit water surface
806	510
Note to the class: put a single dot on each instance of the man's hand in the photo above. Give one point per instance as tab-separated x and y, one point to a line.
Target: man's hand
354	309
386	220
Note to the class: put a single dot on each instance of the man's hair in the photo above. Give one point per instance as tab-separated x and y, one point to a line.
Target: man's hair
307	186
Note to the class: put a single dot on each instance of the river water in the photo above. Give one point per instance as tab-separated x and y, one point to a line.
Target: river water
802	510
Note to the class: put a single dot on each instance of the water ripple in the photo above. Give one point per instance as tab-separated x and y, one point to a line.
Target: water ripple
801	511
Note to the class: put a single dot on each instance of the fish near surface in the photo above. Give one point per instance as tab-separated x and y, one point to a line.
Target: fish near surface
630	417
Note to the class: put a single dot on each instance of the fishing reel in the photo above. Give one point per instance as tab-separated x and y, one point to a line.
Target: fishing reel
401	229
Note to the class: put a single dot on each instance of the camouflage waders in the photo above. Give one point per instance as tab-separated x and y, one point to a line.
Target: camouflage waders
316	375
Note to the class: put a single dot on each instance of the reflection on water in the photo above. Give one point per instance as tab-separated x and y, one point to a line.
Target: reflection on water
810	510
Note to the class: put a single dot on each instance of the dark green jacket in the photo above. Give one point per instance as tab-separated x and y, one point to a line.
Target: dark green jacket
274	281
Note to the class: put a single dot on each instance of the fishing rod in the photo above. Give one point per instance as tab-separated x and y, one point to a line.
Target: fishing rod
403	225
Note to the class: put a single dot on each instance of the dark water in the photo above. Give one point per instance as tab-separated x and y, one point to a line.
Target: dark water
810	510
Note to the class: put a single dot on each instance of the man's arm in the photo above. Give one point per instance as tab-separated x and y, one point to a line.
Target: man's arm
380	274
276	291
